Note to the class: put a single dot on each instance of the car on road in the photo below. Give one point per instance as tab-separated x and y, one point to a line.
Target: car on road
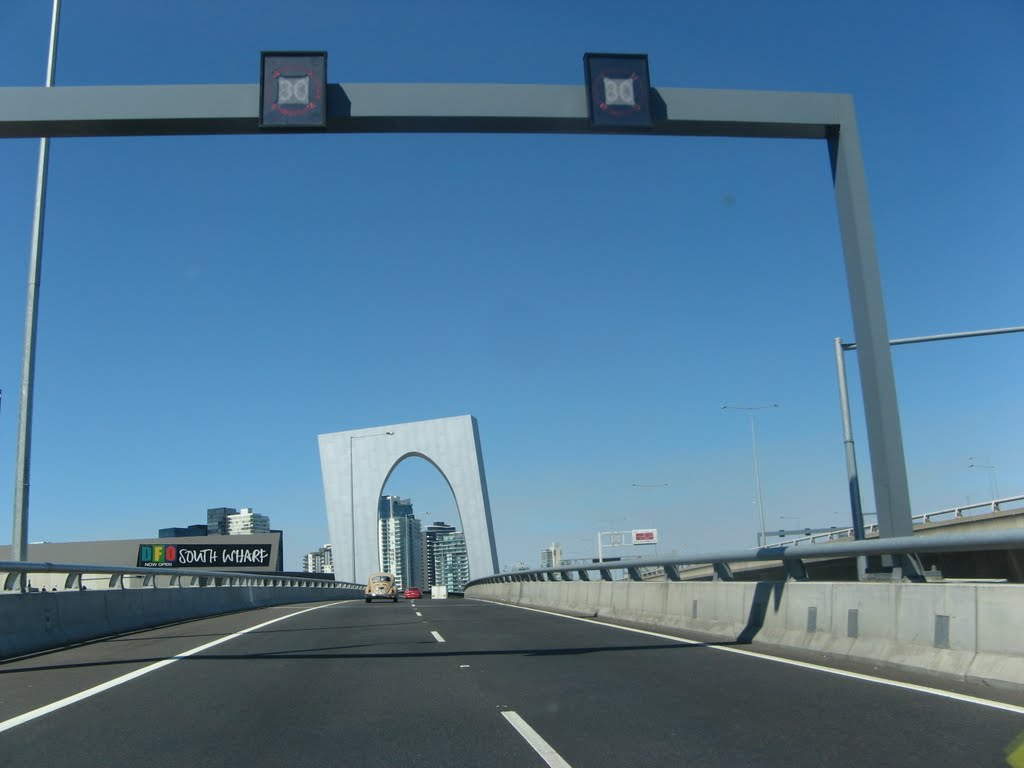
413	593
381	586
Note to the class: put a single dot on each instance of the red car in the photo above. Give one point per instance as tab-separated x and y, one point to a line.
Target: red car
412	593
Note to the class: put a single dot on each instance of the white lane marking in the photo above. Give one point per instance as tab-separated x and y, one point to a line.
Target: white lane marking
418	613
791	662
89	692
437	636
542	748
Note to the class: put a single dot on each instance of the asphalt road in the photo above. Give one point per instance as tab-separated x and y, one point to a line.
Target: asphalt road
464	683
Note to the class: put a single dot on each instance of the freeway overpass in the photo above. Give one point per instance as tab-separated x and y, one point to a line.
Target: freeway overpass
467	683
1001	564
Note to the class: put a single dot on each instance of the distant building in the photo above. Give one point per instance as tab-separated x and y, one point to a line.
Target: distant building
217	520
247	522
401	549
451	561
192	530
320	561
429	538
393	506
260	553
551	557
227	521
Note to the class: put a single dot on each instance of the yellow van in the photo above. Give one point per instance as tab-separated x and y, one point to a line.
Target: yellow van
381	586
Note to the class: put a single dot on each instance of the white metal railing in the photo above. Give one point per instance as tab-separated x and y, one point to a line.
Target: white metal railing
792	557
837	534
119	577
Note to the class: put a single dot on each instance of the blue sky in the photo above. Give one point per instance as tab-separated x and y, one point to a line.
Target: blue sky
210	304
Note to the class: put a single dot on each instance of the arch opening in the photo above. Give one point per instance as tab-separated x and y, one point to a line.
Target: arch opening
420	535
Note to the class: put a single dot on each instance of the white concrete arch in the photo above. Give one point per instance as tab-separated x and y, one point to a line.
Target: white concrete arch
356	465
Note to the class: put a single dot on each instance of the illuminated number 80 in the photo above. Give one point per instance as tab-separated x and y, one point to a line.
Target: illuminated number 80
619	92
293	90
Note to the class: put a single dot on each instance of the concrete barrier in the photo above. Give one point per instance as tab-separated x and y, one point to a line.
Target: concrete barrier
41	621
962	631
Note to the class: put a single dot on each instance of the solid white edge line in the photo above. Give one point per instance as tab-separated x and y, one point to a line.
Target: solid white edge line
437	635
791	662
89	692
534	739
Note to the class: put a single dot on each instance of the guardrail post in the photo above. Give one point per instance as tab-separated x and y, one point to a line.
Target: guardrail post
672	573
10	581
606	574
634	574
584	576
73	581
116	581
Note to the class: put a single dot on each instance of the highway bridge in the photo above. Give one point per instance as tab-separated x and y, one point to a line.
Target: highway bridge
465	682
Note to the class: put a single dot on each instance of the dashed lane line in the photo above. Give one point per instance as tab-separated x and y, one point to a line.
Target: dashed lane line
535	740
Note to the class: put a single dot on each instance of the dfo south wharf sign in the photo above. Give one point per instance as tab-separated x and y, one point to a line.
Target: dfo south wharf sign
203	555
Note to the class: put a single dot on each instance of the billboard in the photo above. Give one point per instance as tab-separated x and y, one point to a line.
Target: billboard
203	555
645	536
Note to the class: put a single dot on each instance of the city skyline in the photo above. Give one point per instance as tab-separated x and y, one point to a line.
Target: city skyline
593	300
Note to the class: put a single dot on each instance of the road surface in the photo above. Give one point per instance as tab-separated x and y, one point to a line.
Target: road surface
469	683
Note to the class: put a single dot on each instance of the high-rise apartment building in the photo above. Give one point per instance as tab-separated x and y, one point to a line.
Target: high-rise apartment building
429	576
401	549
394	506
247	522
551	557
225	521
320	561
451	560
217	520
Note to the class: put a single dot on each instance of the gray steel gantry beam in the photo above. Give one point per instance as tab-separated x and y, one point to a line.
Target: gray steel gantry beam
481	108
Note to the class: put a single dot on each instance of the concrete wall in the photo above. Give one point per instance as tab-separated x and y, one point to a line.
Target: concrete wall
43	620
964	631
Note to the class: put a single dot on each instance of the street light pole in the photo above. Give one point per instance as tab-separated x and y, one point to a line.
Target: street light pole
352	492
993	486
757	469
19	539
844	405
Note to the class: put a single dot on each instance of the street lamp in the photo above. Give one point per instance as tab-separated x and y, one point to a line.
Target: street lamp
993	486
19	535
757	470
352	493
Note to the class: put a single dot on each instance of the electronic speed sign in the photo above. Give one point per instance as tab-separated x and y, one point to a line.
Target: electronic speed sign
293	89
645	536
618	90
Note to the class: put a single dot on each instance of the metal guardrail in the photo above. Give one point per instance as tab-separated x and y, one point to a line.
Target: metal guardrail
196	577
791	557
928	517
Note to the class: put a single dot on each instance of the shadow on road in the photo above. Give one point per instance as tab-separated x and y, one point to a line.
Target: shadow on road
332	652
